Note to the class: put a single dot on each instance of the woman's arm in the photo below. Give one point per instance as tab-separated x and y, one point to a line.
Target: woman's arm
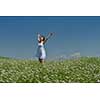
49	35
38	36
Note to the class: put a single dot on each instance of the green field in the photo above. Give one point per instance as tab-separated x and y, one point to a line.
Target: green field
81	70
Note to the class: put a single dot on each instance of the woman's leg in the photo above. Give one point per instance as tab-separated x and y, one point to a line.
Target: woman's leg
41	61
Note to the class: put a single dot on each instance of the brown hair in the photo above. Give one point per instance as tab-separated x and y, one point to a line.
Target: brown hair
43	38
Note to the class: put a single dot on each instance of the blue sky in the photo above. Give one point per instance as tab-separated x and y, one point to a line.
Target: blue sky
18	36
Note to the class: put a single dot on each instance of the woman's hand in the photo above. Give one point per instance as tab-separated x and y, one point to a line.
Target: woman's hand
50	34
38	34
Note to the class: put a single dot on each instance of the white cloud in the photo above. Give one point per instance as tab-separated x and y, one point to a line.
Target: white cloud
76	54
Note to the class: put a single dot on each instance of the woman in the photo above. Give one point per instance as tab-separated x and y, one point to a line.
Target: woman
41	53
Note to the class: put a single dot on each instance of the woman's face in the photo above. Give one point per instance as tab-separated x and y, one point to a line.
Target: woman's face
41	38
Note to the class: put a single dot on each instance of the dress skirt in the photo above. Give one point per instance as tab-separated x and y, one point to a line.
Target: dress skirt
41	53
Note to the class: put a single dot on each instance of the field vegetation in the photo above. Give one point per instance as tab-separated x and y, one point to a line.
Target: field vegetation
81	70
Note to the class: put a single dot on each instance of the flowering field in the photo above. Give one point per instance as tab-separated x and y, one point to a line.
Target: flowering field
82	70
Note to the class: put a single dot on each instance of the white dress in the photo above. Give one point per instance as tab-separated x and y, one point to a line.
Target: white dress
41	53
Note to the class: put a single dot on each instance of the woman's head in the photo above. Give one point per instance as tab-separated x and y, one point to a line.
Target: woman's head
42	38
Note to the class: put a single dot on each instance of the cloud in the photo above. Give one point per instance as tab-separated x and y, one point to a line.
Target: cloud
76	54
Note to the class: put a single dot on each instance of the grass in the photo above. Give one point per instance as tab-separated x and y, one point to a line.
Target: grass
82	70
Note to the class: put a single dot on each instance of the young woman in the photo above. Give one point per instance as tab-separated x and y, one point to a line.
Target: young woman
41	53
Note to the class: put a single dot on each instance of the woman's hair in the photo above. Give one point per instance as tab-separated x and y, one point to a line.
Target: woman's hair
43	38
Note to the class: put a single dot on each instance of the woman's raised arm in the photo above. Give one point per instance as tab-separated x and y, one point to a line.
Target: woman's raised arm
38	36
49	35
